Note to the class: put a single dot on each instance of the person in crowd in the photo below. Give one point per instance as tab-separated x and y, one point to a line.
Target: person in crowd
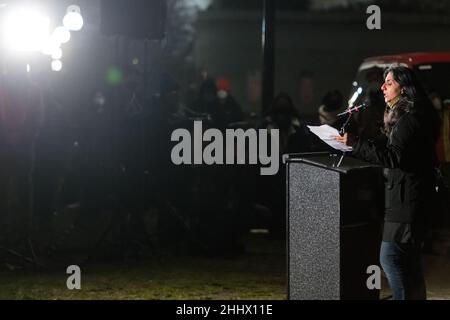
306	86
283	115
230	110
293	137
332	104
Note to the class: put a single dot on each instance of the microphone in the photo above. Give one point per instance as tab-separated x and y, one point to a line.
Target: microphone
354	109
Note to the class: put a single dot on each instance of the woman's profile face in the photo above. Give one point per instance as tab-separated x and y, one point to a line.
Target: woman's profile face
390	88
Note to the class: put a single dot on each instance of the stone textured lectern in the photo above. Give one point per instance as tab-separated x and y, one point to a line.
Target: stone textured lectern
333	226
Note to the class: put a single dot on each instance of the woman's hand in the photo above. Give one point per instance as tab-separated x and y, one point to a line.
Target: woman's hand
347	139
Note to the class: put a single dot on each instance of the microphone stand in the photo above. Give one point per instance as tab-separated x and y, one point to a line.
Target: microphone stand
340	159
342	131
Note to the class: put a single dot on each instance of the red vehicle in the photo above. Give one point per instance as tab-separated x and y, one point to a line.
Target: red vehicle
432	68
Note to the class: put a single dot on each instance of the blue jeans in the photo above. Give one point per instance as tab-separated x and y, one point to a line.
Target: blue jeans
402	265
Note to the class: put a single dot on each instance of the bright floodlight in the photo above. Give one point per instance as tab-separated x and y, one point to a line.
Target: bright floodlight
56	65
61	34
73	20
25	29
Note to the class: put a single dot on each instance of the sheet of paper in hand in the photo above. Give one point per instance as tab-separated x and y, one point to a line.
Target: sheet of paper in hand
327	133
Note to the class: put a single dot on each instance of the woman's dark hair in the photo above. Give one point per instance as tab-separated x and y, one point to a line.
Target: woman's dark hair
414	99
413	90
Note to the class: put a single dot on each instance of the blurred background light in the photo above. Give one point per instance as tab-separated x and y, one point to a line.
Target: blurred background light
61	34
114	76
203	4
56	65
27	28
73	20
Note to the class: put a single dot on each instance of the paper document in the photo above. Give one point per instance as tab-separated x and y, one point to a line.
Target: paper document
327	134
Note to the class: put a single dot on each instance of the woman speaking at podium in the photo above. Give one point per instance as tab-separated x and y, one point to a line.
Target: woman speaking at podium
408	156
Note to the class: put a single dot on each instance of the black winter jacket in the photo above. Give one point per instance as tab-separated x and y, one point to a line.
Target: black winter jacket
409	160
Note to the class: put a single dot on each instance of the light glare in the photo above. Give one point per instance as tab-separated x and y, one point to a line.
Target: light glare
57	54
56	65
25	30
61	34
50	45
73	21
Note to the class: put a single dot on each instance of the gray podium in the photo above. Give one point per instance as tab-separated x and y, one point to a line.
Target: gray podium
333	215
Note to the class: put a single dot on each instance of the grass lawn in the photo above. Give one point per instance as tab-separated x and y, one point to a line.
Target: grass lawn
260	273
253	275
